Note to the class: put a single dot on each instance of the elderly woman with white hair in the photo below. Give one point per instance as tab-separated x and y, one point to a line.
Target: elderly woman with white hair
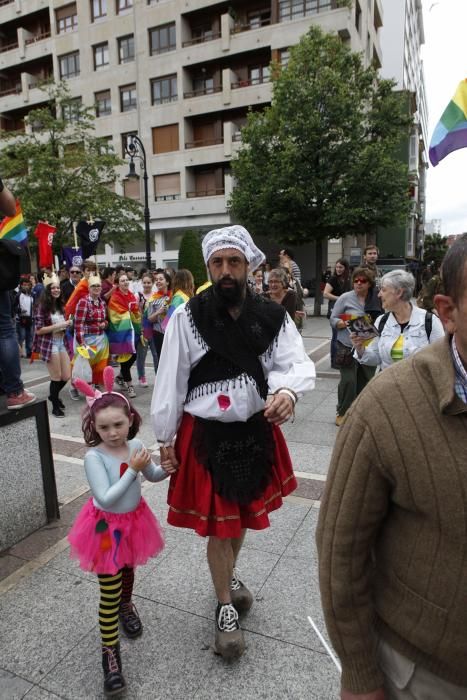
404	328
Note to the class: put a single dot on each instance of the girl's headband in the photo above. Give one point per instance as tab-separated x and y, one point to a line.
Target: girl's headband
92	395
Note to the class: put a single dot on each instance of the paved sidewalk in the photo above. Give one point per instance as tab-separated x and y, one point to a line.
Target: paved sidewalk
49	646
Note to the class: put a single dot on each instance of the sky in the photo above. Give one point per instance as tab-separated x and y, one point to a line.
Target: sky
445	63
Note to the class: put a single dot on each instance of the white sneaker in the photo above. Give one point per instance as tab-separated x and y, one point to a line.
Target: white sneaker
142	382
131	391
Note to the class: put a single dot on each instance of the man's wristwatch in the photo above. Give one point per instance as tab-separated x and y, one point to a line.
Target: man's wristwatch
2	186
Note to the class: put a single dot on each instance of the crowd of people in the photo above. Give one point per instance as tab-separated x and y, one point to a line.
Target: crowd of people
231	367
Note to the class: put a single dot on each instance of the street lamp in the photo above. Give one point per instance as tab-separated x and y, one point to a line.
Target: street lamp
135	149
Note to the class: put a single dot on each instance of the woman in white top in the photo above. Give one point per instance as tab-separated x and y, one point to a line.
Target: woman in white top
406	328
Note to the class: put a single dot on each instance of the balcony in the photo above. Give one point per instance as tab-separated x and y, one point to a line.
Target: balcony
257	24
203	91
204	142
12	90
9	47
249	82
214	192
211	36
38	37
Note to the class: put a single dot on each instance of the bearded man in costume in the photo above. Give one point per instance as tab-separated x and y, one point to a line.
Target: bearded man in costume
231	370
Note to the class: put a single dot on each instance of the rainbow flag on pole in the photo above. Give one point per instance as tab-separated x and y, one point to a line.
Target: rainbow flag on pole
451	131
12	228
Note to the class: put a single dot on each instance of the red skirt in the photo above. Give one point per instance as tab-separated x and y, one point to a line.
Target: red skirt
194	504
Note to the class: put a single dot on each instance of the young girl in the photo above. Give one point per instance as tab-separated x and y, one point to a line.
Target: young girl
48	344
115	530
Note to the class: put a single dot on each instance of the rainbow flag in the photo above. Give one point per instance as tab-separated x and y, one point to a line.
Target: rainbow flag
451	131
124	323
12	228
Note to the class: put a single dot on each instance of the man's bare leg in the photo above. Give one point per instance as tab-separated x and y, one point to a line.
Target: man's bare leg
241	596
229	640
221	562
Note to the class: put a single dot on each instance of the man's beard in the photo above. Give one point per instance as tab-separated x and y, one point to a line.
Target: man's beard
231	295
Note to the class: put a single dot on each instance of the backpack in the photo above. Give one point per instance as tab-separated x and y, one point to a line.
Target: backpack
11	264
428	323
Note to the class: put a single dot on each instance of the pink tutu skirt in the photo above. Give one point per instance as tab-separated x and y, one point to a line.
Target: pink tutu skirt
106	542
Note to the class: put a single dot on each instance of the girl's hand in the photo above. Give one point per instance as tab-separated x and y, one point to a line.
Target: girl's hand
140	459
169	461
279	408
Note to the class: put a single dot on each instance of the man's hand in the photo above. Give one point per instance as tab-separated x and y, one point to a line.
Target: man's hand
169	461
374	695
279	408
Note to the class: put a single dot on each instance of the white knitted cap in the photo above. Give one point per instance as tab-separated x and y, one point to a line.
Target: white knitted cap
236	237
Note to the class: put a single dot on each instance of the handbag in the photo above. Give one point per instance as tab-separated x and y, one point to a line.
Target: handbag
343	356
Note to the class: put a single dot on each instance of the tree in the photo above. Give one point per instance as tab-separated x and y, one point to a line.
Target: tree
435	248
321	161
61	172
190	257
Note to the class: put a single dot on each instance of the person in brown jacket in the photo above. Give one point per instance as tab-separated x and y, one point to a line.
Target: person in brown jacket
392	531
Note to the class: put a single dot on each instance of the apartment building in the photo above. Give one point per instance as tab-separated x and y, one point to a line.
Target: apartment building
401	40
181	74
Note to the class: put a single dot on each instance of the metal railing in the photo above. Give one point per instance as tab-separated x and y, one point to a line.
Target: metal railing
204	142
38	37
166	197
248	83
11	91
203	91
9	47
202	39
254	24
206	193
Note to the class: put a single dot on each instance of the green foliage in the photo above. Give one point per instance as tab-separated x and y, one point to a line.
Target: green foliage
320	161
190	257
62	172
435	248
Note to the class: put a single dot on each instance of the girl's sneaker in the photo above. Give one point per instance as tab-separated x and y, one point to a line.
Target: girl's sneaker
120	381
131	391
143	382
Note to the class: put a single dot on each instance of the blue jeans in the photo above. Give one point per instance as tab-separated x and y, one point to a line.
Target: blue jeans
10	367
141	352
25	333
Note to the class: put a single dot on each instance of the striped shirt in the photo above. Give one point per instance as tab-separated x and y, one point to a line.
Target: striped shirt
460	382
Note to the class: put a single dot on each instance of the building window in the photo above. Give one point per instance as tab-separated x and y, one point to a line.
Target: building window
293	9
125	138
69	65
101	55
98	9
259	18
162	39
105	145
202	32
71	109
165	138
67	19
167	187
284	56
124	6
164	90
258	74
103	103
203	85
128	97
126	49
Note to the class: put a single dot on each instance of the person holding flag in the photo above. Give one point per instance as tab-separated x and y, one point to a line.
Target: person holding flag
12	229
